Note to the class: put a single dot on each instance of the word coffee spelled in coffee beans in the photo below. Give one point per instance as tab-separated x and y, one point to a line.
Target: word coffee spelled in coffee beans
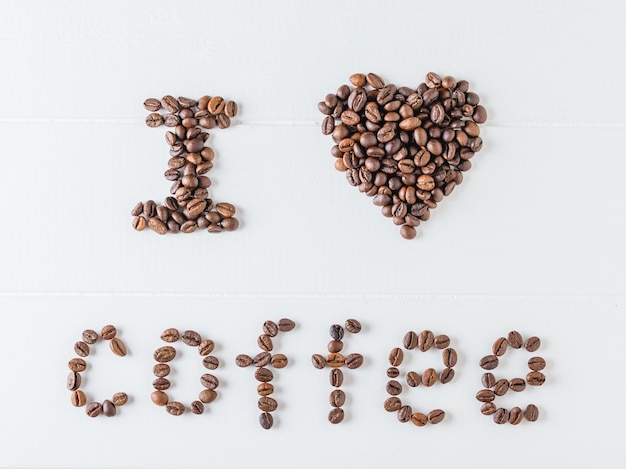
335	360
405	147
189	206
167	353
78	398
263	374
423	342
493	387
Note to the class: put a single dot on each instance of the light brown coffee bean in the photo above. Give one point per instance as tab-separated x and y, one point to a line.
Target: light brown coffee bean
93	409
205	347
335	360
335	377
418	419
535	378
442	341
425	339
170	335
152	104
336	415
488	408
210	362
164	354
118	347
243	360
446	375
81	349
209	381
354	360
429	377
191	338
156	225
261	359
207	396
536	363
78	398
515	339
279	361
393	387
77	365
449	357
267	404
264	375
337	398
159	398
392	404
501	416
405	413
531	413
515	416
119	399
318	361
108	332
499	347
396	356
90	336
73	381
532	344
485	395
286	325
489	362
413	379
501	387
270	328
488	380
335	346
410	340
393	372
161	384
435	416
265	343
264	389
175	408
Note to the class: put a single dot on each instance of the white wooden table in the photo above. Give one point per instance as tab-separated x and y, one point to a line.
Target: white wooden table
532	240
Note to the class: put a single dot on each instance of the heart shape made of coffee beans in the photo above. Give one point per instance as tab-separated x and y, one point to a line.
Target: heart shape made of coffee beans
407	148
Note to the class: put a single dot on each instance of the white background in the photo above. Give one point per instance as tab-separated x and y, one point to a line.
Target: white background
532	240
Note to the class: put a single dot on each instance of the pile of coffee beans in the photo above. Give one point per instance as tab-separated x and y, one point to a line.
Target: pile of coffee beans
164	355
108	407
423	341
189	207
335	360
493	387
263	374
407	148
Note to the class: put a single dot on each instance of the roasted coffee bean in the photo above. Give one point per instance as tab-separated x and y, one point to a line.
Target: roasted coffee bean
265	343
159	398
392	404
485	395
265	389
449	357
209	381
264	375
425	339
515	339
266	420
429	377
270	328
77	365
413	379
81	349
267	404
170	335
353	326
446	375
196	407
410	340
515	416
286	325
489	362
108	408
78	398
191	338
501	416
532	344
517	384
335	377
161	384
531	413
207	396
335	360
393	372
435	416
396	356
335	346
418	419
170	104
501	387
337	398
73	381
161	370
119	399
152	104
156	225
261	359
488	408
243	360
175	408
164	354
442	341
90	336
393	387
536	363
499	347
154	120
318	361
279	361
354	360
93	409
336	415
205	347
118	347
404	413
336	332
535	378
488	380
108	332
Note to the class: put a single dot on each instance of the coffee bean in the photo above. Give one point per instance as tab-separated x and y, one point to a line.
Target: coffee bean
515	339
81	349
265	389
405	413
501	416
501	387
337	398
429	377
336	332
191	338
263	375
488	408
77	365
279	360
93	409
436	416
335	377
108	408
353	326
160	370
207	396
410	340
485	395
419	419
119	399
396	356
392	404
243	360
73	381
170	335
413	379
532	344
446	375
426	339
118	347
209	381
78	398
515	416
265	343
393	387
336	415
354	360
205	347
267	404
156	225
108	332
449	357
536	363
531	413
266	420
196	407
335	360
488	380
335	346
210	362
270	328
285	325
159	398
535	378
175	408
152	104
170	104
161	384
164	354
489	362
517	384
499	347
393	372
442	341
318	361
90	336
154	120
262	359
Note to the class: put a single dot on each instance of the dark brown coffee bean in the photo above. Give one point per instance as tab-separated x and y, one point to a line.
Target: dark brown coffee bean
205	347
536	363
410	340
261	359
286	325
517	384
531	413
209	381
90	336
392	404
270	328
515	339
442	341
73	381
449	357
485	395
435	416
515	416
265	343
393	387
207	396
243	360
93	409
225	209
413	379
393	372
335	346
156	225
154	120
119	399
318	361
353	326
196	407
429	377
81	349
265	389
161	370
210	362
396	356
418	419
335	377
191	338
118	347
337	398
499	347
488	408
264	375
170	335
446	375
267	404
501	416
77	365
279	361
266	420
159	398
335	360
175	408
501	387
489	362
108	408
336	415
375	81
532	344
108	332
170	104
152	104
488	380
78	398
405	413
161	384
164	354
426	339
354	360
336	332
535	378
